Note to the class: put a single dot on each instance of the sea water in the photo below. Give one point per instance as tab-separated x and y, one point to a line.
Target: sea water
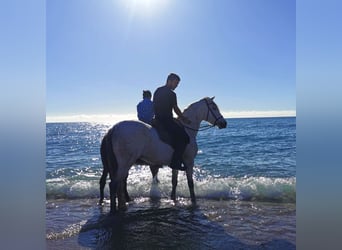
245	184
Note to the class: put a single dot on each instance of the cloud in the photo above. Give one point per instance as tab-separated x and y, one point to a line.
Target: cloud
253	114
98	118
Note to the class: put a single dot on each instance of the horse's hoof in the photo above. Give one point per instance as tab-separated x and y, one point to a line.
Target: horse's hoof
155	180
193	206
112	211
122	207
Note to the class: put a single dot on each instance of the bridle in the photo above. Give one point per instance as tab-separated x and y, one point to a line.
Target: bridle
205	127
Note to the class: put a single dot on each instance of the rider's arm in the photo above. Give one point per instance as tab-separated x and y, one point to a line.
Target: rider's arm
180	114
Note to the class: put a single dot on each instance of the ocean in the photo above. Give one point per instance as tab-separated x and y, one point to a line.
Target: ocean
245	184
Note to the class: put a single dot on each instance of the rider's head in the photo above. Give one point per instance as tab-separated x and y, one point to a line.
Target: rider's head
147	94
172	81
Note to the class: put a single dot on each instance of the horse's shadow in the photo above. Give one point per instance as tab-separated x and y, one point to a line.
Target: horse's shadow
158	226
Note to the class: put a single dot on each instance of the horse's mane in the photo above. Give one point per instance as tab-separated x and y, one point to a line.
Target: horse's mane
195	103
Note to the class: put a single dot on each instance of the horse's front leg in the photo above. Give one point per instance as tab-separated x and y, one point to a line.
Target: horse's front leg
174	183
189	173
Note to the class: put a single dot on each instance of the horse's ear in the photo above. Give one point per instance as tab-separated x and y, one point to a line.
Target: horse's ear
212	98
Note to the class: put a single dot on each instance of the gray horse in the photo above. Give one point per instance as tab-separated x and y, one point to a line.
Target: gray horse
131	142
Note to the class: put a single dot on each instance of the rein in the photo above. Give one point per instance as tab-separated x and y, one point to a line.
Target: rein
205	127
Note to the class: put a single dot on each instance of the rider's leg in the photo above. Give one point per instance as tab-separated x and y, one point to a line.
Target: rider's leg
182	139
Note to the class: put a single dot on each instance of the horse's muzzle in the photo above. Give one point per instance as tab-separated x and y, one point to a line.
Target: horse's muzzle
222	123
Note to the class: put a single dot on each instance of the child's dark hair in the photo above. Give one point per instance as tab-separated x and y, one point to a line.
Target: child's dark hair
147	94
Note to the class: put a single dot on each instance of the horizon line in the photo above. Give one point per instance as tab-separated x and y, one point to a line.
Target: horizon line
114	118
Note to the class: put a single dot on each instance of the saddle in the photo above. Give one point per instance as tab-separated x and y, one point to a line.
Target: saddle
163	136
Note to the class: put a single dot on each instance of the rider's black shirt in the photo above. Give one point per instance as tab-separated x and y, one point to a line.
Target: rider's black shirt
164	99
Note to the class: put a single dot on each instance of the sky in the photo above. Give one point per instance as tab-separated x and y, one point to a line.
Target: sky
100	55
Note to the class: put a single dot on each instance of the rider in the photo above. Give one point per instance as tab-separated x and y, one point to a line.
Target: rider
165	100
145	108
145	114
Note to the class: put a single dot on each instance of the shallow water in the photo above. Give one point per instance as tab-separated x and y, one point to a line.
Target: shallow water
164	224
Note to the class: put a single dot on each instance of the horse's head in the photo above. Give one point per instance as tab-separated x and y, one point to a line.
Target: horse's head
214	116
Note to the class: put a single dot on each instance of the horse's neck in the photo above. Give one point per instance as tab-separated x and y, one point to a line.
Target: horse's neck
194	115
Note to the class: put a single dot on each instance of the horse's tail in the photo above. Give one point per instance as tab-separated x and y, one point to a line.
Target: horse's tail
108	161
104	154
104	157
110	154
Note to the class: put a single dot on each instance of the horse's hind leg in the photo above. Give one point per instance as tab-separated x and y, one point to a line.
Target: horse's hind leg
112	191
120	179
122	195
125	190
174	183
102	185
154	170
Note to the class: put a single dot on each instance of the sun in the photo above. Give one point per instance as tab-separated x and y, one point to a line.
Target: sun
145	7
145	3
